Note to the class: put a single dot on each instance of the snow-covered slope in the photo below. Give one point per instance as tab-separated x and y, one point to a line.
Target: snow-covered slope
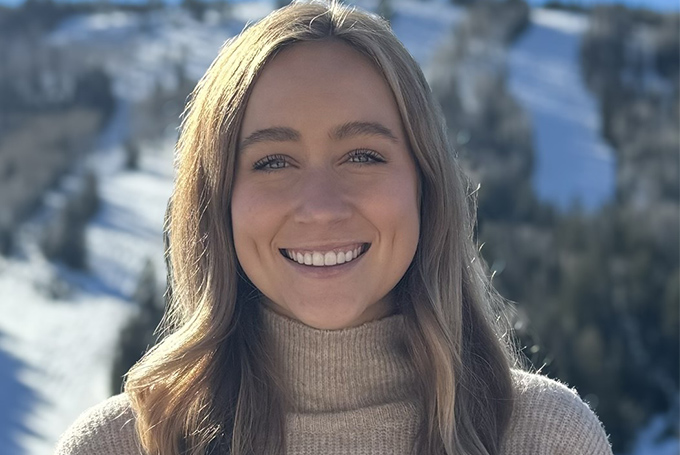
145	51
55	354
572	159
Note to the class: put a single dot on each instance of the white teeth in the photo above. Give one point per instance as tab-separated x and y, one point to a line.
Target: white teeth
324	259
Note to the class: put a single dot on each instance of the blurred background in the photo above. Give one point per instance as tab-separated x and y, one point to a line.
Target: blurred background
565	114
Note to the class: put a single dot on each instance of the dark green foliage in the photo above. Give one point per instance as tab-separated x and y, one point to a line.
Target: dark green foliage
504	20
41	15
197	8
608	323
385	9
668	48
597	295
44	131
93	90
6	240
566	6
64	236
595	305
88	198
160	112
138	335
131	156
493	139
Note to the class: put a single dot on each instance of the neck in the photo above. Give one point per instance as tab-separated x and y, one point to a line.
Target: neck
335	370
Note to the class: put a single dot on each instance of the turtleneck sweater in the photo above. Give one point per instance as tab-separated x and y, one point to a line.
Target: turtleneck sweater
354	391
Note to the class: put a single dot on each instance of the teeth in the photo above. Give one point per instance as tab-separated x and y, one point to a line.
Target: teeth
330	258
318	259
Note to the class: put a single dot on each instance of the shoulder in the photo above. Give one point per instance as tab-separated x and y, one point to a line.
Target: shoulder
106	429
551	419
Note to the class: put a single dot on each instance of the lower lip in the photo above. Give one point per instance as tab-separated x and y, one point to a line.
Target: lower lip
324	271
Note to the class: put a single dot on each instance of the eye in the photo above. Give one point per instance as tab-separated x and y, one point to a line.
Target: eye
270	163
363	156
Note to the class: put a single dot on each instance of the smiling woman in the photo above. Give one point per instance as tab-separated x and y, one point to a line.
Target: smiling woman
327	297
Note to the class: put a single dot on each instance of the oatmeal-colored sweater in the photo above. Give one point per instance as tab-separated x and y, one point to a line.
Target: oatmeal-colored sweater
355	394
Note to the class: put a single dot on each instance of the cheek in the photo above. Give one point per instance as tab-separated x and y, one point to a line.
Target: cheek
253	218
394	210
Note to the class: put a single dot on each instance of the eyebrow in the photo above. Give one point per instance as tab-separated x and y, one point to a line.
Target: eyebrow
274	134
351	129
344	131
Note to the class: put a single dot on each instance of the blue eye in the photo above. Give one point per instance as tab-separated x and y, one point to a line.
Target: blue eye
363	156
270	163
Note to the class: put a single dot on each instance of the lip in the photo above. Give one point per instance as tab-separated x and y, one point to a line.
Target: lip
325	271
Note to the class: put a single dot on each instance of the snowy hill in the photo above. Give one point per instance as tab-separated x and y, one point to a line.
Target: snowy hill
572	159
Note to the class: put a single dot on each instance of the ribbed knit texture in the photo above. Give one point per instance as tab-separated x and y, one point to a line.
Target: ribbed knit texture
354	392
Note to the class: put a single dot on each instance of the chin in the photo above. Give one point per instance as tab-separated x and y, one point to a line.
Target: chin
325	313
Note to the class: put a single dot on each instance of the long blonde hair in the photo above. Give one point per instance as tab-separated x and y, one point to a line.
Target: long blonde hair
209	385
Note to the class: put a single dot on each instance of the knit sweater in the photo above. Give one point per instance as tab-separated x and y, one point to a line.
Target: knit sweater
354	392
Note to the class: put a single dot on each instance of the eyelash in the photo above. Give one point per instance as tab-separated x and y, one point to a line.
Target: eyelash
263	163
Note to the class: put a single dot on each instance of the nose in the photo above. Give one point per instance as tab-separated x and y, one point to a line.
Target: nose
323	198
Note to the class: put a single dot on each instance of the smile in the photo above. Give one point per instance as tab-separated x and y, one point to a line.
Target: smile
326	258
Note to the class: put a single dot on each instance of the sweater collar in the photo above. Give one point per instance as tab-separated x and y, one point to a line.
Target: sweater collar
336	370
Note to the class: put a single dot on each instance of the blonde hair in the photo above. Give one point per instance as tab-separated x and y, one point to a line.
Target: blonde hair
209	384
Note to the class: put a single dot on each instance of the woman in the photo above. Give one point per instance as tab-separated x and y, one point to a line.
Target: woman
326	293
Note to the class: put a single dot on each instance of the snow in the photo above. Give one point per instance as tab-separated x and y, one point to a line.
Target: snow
572	160
565	22
56	353
142	52
650	440
423	26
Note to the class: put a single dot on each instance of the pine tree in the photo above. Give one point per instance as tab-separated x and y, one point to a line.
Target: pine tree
138	335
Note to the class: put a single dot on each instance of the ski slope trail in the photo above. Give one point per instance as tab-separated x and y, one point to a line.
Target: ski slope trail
572	161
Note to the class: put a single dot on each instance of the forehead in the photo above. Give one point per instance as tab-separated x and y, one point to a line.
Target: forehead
324	82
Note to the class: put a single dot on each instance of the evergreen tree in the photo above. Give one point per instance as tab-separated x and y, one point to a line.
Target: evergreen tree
138	335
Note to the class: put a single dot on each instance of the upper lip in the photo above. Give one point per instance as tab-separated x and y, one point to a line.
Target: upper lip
327	246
